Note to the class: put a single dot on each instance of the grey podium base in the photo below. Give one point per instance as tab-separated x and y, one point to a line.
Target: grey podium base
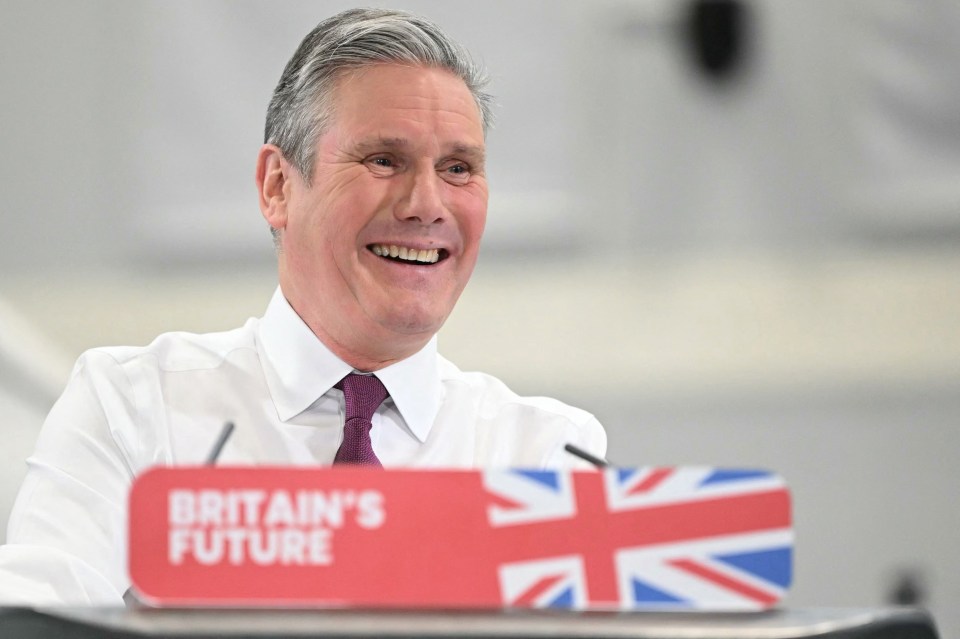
828	623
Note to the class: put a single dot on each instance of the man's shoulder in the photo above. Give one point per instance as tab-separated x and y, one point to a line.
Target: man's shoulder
177	350
517	430
494	397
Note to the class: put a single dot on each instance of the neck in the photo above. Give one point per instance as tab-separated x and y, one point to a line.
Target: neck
368	356
365	348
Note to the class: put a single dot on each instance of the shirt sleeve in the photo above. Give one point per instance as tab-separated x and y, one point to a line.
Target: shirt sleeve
590	437
66	539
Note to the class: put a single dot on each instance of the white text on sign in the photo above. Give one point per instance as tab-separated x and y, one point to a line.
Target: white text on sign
279	527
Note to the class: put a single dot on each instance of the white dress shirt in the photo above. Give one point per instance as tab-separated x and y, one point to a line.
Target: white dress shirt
126	409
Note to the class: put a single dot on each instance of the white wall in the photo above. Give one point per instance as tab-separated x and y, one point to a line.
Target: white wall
762	273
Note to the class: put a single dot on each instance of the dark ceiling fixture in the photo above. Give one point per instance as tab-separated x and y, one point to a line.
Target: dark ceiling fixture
717	33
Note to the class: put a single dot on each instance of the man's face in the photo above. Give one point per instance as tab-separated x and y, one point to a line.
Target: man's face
387	235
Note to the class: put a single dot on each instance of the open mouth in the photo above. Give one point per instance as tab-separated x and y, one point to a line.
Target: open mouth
408	255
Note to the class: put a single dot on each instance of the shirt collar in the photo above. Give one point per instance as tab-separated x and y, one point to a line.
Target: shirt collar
414	384
299	368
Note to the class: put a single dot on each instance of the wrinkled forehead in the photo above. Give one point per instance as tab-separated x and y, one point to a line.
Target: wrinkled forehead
362	94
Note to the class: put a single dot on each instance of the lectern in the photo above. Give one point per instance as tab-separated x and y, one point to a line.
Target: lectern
90	623
651	553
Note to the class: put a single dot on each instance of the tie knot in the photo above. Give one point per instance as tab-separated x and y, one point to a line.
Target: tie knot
362	395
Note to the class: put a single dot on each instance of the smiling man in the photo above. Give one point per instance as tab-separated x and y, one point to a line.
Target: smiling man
388	223
372	180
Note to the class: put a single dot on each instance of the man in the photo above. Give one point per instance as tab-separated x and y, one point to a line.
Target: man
372	181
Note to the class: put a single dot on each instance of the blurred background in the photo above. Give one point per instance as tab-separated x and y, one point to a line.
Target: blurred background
730	229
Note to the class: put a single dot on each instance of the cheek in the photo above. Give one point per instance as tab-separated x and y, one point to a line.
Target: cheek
315	236
353	210
334	224
473	216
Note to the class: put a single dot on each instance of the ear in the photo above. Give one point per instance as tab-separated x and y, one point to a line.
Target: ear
273	185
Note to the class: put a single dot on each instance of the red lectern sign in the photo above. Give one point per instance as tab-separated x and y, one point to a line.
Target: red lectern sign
650	538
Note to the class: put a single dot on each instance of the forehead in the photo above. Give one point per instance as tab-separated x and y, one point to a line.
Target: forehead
393	101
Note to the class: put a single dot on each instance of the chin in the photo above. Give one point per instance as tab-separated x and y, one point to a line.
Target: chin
413	321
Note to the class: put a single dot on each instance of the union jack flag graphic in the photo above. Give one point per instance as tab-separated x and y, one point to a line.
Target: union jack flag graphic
684	538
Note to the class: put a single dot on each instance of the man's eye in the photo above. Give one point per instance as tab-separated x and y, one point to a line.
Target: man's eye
457	172
384	162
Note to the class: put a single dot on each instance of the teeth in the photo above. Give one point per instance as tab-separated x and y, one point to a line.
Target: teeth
426	256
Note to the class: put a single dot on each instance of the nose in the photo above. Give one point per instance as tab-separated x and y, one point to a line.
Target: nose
422	199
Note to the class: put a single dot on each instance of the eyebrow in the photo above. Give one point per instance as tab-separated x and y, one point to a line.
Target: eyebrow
374	144
476	152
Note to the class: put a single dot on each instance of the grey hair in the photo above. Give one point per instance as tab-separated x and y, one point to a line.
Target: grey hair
301	107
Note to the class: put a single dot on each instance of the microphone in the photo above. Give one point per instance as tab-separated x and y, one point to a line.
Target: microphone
582	454
221	442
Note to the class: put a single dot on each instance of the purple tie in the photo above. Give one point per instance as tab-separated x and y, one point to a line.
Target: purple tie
362	395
